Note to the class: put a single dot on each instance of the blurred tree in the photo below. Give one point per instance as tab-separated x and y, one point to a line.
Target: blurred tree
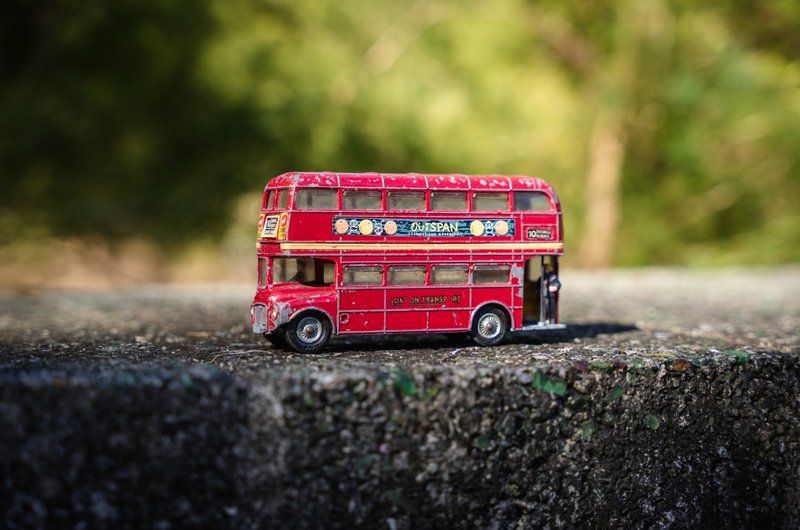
109	128
669	129
695	110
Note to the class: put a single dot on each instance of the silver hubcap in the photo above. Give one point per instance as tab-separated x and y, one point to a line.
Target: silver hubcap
309	330
489	326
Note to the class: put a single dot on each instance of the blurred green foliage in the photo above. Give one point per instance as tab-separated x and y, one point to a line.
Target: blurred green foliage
125	118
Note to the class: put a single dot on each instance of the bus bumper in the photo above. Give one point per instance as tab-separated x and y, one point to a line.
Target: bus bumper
541	326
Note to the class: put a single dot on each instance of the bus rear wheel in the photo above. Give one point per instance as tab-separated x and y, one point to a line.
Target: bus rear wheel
490	327
308	333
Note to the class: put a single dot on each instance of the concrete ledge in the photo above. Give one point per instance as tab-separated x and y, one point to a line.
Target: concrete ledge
670	443
647	444
121	447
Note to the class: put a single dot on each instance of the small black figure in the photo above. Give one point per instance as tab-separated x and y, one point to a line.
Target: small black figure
552	285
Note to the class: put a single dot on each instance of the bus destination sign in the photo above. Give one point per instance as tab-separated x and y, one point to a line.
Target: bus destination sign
539	233
270	226
354	226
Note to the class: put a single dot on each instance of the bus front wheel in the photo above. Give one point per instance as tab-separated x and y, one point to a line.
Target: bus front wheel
490	327
308	333
277	338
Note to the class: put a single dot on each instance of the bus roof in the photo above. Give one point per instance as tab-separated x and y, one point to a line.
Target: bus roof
410	181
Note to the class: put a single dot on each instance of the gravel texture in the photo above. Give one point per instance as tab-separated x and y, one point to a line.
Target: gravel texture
672	401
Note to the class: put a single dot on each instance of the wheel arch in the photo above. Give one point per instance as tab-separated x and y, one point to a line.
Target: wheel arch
492	304
309	310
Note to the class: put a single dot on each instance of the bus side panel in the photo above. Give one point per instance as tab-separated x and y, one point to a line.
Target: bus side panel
361	299
516	313
454	313
406	321
502	294
361	310
449	320
363	323
404	310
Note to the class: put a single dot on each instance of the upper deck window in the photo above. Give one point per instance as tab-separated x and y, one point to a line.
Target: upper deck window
269	200
531	201
315	199
361	200
448	200
406	200
283	199
490	202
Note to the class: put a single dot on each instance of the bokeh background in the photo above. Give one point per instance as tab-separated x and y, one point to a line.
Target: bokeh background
136	137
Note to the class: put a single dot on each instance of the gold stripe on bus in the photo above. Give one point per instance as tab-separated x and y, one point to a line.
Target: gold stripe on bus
421	246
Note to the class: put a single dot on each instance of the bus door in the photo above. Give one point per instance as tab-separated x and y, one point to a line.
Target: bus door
535	303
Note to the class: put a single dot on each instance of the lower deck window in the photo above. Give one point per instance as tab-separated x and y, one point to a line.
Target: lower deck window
491	274
362	275
308	271
406	275
448	274
262	272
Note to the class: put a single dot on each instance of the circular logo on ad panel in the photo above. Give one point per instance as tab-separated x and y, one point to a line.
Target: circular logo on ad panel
501	228
365	227
476	228
341	226
390	227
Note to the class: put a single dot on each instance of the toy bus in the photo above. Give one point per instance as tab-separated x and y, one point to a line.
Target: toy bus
371	253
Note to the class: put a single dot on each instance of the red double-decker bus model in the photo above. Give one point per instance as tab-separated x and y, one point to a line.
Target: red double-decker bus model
371	253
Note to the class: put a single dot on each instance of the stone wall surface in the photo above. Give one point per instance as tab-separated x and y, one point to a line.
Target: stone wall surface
714	443
670	444
134	447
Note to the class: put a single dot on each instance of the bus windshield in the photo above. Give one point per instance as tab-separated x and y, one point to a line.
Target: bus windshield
307	271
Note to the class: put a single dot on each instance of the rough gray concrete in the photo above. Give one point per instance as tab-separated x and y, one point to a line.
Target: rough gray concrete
672	401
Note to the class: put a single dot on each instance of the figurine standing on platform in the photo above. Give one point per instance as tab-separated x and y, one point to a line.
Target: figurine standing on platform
552	285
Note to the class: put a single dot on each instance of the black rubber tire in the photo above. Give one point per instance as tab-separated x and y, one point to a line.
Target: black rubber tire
308	333
277	338
490	327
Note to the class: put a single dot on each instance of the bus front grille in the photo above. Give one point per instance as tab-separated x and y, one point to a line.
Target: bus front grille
259	318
